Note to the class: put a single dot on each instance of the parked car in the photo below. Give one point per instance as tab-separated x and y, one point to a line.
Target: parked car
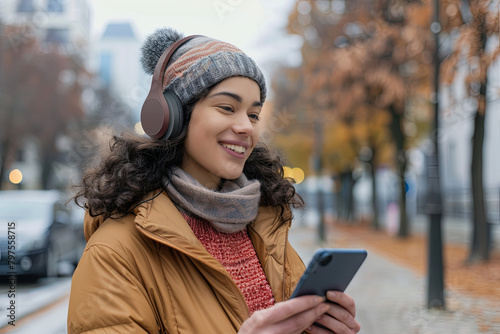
40	231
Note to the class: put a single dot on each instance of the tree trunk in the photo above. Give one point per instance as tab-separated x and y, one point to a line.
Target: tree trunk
350	198
399	138
8	151
403	219
480	247
373	173
8	140
338	200
345	197
349	195
3	157
46	166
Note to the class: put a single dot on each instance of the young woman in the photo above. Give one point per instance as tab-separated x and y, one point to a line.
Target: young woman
189	234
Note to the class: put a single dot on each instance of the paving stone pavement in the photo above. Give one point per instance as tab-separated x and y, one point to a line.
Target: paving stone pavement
392	299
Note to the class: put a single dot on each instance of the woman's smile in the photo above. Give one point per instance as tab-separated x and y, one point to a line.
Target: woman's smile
235	148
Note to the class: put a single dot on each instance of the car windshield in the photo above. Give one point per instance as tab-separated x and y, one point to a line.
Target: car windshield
25	210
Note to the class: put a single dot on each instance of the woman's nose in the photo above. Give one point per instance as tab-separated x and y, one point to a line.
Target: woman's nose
242	124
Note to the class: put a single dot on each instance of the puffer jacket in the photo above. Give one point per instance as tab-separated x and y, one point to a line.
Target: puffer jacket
148	273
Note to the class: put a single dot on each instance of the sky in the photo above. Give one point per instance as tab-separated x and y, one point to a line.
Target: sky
255	26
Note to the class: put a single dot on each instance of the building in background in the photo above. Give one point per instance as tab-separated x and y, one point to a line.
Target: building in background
116	61
61	23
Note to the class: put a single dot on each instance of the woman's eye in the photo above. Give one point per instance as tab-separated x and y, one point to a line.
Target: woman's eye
254	116
227	108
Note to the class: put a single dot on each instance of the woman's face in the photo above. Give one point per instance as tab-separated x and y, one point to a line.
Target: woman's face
223	131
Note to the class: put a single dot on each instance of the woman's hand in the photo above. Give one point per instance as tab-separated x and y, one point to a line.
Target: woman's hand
288	317
340	315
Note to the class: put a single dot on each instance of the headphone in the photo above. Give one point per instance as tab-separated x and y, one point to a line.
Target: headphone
161	114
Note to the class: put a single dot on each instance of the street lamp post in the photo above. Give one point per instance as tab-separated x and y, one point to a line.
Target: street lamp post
435	288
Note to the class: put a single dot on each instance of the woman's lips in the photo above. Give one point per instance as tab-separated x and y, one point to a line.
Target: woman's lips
233	150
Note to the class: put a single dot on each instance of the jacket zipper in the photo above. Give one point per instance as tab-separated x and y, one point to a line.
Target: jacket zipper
241	300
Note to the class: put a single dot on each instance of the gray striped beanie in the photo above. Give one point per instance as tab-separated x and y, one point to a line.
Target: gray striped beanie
198	64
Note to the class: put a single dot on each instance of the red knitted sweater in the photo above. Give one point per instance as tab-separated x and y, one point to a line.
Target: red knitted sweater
236	253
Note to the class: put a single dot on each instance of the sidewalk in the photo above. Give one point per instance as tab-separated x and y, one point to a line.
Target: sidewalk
391	298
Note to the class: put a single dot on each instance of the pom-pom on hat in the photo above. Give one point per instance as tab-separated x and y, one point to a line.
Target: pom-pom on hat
198	64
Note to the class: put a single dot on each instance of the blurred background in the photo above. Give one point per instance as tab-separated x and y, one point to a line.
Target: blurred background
387	113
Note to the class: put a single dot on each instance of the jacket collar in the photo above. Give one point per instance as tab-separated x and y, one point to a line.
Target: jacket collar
160	220
158	216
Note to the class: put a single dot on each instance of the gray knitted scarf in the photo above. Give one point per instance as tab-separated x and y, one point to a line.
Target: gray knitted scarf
229	209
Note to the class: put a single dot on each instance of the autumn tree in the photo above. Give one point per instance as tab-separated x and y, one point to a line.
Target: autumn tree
367	59
58	108
322	27
474	28
396	68
41	97
17	48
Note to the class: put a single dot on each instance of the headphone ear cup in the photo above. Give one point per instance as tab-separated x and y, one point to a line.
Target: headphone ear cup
176	120
162	116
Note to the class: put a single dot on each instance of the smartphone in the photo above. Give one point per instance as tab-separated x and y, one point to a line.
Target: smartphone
330	269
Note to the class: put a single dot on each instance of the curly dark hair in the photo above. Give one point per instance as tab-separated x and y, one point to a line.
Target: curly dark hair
134	166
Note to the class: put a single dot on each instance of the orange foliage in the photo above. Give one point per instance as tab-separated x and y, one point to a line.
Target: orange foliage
357	66
483	22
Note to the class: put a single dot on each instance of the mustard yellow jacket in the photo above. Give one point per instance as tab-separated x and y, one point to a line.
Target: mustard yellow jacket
148	273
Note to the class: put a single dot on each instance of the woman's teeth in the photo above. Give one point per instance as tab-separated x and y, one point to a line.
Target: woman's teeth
236	148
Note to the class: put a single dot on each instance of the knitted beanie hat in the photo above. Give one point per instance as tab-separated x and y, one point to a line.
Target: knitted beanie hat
198	64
